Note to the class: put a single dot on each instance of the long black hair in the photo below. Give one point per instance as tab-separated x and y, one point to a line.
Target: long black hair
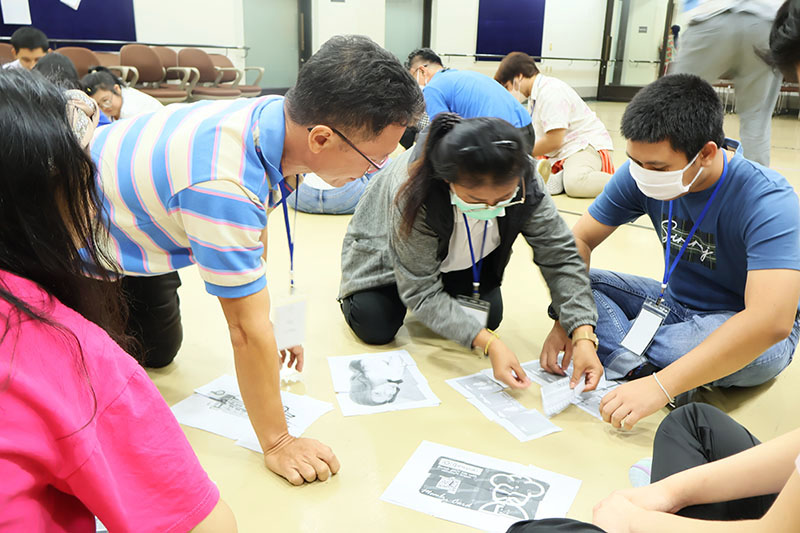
100	78
470	152
50	207
784	40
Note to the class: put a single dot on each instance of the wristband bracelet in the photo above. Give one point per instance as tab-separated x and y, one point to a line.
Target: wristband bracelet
670	399
489	343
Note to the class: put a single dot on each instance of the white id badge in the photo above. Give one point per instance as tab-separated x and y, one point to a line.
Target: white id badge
478	309
644	328
289	322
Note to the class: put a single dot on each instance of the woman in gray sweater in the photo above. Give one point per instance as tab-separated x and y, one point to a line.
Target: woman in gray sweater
433	233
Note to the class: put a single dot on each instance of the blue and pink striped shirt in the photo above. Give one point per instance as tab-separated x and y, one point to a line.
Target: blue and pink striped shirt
193	184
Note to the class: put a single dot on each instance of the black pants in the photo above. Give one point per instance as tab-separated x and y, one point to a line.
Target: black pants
375	315
696	434
154	316
690	436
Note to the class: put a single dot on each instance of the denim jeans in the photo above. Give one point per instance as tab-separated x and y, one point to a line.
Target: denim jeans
619	298
339	201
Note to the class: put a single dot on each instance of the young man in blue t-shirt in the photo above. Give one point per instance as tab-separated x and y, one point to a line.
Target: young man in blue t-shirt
466	93
731	297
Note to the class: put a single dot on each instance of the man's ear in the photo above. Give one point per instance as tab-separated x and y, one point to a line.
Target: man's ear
319	139
708	153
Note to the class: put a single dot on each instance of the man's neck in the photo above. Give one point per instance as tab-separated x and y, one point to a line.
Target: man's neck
713	172
295	149
526	87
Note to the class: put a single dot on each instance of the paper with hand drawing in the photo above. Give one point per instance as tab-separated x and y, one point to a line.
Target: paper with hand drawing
379	382
479	491
489	396
217	407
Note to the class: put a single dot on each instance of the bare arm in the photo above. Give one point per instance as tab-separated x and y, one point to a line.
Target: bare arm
589	233
771	298
219	520
551	142
258	370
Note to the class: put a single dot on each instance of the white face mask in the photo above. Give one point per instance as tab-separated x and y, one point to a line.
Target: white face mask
660	184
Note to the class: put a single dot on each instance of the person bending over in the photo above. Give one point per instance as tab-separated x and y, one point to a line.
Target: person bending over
194	184
466	93
726	311
84	430
434	234
575	143
115	99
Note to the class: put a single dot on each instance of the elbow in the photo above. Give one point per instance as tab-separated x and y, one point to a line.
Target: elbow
244	336
778	328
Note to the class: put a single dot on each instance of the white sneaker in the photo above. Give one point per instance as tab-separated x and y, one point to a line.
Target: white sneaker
555	185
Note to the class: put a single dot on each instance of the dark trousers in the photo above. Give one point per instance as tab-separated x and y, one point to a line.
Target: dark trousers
696	434
154	316
375	315
690	436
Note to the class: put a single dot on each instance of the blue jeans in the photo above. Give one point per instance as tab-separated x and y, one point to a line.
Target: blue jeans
619	298
339	201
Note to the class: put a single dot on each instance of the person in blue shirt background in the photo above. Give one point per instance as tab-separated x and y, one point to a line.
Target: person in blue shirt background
732	298
466	93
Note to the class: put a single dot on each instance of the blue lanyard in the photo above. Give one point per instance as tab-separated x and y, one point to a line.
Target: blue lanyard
283	187
476	267
668	270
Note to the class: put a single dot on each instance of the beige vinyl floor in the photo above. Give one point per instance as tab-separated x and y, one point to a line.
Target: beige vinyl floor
372	449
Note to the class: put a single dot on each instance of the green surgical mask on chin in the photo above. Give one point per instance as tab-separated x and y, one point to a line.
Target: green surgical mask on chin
481	211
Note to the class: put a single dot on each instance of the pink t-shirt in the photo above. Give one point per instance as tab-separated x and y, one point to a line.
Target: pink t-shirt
90	434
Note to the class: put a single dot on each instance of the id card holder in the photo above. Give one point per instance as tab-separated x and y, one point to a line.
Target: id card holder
644	328
289	321
477	309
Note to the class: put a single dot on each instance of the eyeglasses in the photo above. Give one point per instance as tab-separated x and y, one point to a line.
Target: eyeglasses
510	203
372	163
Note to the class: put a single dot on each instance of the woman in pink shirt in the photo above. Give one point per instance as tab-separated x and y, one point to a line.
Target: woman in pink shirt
83	431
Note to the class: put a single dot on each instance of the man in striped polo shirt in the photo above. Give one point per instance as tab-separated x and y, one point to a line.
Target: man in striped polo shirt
194	184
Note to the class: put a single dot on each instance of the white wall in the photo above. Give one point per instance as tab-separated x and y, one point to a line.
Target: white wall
217	22
362	17
647	14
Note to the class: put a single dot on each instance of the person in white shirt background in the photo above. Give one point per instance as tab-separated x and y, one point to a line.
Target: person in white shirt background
28	45
115	99
721	40
569	135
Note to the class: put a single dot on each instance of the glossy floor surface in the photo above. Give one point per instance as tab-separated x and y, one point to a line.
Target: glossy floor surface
372	449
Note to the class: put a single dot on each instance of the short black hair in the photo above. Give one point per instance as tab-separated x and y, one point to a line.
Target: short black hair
30	38
784	40
680	108
59	70
426	55
353	84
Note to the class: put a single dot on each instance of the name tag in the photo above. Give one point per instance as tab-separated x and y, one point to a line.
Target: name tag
478	309
644	328
289	322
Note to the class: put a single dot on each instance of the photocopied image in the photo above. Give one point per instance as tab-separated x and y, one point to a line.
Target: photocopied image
379	382
491	399
217	407
479	491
